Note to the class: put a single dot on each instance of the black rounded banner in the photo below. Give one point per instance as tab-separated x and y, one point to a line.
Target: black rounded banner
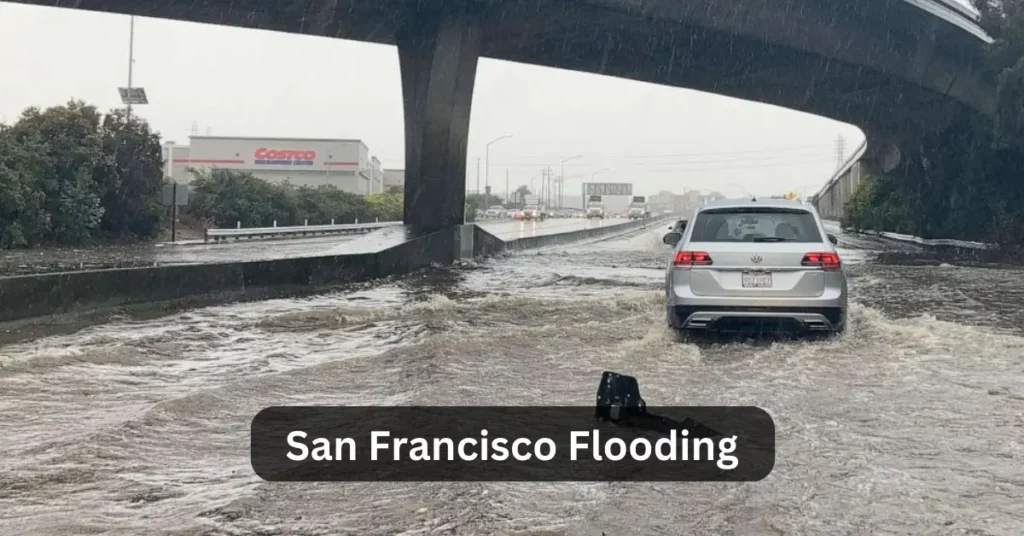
521	443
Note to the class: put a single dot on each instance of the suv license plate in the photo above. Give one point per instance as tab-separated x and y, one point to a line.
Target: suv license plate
757	279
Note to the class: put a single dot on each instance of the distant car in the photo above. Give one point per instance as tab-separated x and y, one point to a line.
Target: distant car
739	264
495	211
534	214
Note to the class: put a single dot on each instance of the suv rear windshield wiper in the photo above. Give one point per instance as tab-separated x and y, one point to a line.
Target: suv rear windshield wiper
772	239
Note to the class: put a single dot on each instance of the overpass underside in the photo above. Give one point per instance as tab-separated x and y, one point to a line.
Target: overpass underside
884	66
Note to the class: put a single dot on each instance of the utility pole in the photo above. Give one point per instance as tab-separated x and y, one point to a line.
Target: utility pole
131	61
550	181
543	181
477	182
506	186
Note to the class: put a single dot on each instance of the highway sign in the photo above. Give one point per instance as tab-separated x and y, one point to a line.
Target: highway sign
608	188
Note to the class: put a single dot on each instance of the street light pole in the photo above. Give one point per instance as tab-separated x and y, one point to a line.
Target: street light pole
487	160
131	61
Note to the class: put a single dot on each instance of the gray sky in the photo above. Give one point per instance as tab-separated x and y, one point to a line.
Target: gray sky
255	83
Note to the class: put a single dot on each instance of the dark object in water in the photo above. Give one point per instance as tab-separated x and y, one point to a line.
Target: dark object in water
619	402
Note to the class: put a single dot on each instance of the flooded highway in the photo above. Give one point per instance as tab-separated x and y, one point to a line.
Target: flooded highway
910	423
45	260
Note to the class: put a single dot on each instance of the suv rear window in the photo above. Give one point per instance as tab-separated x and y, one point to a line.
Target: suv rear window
755	224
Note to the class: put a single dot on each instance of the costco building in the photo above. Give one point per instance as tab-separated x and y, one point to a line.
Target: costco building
344	164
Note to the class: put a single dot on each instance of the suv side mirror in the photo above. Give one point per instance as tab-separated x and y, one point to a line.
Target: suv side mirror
832	238
672	238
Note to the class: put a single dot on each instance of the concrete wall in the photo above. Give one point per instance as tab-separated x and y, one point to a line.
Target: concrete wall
831	200
531	242
39	297
69	292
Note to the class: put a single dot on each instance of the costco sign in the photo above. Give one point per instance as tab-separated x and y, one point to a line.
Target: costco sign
284	157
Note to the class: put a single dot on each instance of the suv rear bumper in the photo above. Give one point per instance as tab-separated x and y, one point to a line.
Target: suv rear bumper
728	318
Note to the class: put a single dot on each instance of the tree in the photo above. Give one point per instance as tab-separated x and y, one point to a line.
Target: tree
387	207
483	201
131	200
225	197
521	192
23	217
72	167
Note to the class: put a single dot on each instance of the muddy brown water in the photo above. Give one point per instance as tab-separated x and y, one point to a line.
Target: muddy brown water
911	423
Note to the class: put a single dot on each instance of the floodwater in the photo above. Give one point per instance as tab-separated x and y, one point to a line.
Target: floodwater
910	423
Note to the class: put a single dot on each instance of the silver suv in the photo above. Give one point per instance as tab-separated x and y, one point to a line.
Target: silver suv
755	263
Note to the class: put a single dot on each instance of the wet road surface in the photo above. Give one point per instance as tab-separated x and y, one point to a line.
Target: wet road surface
47	260
911	423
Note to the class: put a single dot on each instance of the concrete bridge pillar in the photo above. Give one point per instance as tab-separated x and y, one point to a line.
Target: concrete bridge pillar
438	52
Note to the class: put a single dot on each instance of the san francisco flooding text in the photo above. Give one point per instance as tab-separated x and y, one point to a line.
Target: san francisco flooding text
676	446
508	444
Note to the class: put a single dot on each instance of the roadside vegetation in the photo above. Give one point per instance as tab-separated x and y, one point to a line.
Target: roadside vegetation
968	181
225	198
72	176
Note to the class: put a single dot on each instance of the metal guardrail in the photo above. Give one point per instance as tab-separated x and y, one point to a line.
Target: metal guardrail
298	230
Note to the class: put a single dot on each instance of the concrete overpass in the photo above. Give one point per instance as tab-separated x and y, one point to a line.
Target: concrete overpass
896	68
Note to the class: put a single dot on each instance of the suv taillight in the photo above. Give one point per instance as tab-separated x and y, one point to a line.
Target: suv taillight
685	259
827	260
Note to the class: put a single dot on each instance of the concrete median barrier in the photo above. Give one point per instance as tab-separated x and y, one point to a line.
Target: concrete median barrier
86	292
533	242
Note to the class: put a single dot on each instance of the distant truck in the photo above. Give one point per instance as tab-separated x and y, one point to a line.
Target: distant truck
532	209
595	207
638	209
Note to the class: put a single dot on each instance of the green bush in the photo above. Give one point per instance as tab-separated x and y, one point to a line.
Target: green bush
226	197
70	175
